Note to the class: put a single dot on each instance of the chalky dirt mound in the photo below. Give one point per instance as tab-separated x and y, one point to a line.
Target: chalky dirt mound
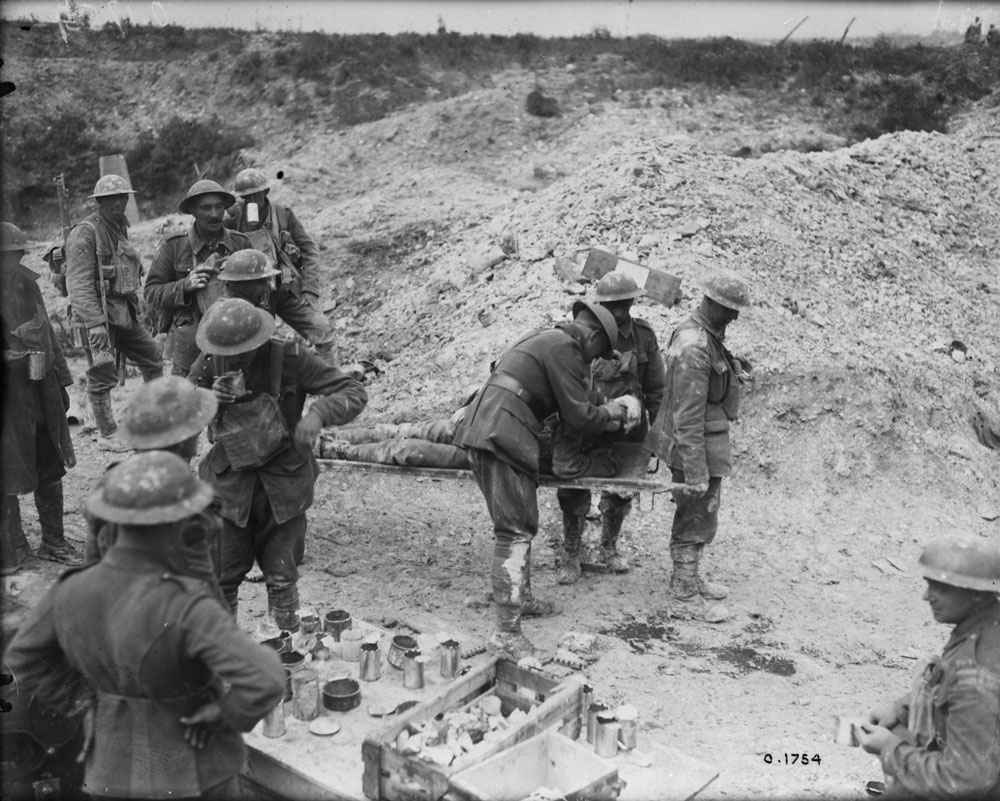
440	227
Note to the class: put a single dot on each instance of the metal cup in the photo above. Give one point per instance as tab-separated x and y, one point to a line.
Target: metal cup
370	667
308	621
592	714
628	733
274	721
235	382
606	739
37	365
336	622
350	644
451	656
305	693
413	670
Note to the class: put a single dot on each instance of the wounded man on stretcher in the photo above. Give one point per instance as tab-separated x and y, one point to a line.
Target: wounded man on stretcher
565	453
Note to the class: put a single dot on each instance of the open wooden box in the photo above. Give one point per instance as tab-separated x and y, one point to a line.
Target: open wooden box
394	776
550	760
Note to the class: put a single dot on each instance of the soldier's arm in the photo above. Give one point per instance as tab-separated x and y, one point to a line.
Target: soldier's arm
35	649
654	382
567	373
251	674
310	255
341	398
202	372
162	289
82	275
969	764
692	369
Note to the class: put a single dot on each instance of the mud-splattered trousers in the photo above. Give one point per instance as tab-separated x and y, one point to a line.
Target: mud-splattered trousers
692	430
537	376
264	507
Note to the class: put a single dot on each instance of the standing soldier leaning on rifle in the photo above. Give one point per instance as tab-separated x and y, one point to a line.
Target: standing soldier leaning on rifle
183	279
637	370
276	231
103	278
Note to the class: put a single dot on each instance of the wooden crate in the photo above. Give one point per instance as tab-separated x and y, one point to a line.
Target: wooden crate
549	760
393	776
659	284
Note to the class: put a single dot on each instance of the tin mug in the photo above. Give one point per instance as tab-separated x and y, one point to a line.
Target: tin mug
370	666
845	731
413	670
451	655
37	365
336	622
274	721
305	694
308	621
606	739
592	713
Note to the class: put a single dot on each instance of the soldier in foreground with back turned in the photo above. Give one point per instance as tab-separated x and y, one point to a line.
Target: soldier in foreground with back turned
261	463
36	443
276	231
702	397
942	739
544	372
103	278
183	280
170	679
637	370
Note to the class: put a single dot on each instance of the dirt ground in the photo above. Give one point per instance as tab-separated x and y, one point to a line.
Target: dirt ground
854	449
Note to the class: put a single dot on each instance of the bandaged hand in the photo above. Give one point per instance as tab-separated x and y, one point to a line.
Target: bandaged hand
633	411
617	412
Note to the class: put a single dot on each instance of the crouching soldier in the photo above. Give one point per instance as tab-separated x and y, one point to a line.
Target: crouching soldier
262	463
171	679
942	739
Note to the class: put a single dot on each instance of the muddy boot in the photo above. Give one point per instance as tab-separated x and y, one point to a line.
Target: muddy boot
512	644
16	550
711	590
54	547
611	526
530	605
569	569
685	598
507	577
104	419
284	619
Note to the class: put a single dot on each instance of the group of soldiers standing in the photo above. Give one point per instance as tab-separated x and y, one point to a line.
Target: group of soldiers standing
144	637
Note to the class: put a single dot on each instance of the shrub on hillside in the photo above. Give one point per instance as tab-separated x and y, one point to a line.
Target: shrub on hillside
53	142
163	161
901	104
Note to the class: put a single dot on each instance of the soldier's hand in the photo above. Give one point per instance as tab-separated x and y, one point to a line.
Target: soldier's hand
199	725
99	339
873	738
222	388
884	716
308	429
197	279
695	490
14	356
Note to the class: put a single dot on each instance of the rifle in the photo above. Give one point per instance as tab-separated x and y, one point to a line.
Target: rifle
56	257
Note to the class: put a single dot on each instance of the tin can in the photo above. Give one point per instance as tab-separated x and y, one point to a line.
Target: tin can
845	730
38	365
370	667
628	733
413	670
336	622
350	644
235	382
451	657
592	713
308	621
274	721
606	739
305	693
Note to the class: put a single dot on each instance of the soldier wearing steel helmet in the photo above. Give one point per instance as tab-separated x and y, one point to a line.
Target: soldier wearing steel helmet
103	279
942	739
701	399
183	279
276	231
261	463
36	444
636	369
169	414
250	274
541	374
170	679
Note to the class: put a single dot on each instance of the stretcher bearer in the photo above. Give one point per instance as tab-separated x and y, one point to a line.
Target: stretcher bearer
543	373
635	369
261	463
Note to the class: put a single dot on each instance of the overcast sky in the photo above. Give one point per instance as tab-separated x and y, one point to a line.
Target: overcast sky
666	18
